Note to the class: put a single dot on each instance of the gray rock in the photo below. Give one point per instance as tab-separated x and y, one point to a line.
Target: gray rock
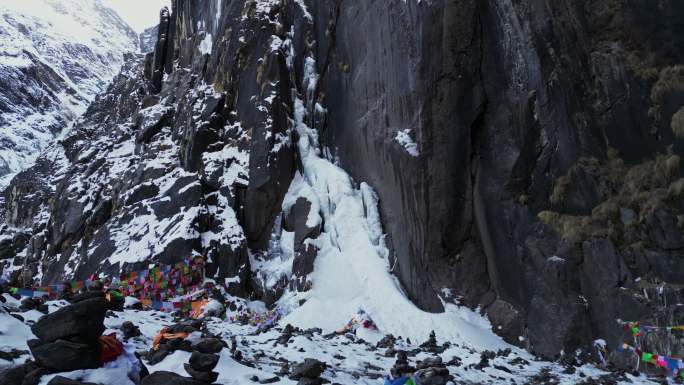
203	362
310	368
64	356
310	381
84	320
203	376
15	375
208	345
168	378
59	380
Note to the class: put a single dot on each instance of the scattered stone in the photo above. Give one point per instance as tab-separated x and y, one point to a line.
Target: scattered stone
156	356
284	369
204	376
59	380
310	381
544	377
503	352
387	342
130	330
310	368
401	365
430	362
168	378
33	377
455	361
15	375
179	344
519	361
271	380
286	334
12	354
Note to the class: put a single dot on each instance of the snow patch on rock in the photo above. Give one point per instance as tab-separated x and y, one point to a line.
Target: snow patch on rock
404	138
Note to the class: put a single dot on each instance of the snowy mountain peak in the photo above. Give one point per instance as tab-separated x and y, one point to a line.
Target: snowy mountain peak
55	56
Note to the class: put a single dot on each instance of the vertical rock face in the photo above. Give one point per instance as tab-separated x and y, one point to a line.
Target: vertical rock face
526	155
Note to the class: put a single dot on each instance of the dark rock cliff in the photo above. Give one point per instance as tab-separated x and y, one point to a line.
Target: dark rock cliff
526	154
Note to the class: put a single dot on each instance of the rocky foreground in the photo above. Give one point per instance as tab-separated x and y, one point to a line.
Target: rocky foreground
224	352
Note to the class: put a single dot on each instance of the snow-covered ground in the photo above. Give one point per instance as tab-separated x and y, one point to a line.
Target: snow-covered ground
55	56
350	359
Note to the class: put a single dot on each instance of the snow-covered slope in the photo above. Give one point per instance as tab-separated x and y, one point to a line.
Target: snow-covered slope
55	56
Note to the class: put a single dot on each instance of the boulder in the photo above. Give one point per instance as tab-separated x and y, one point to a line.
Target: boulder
203	376
87	295
209	345
12	354
310	368
203	362
59	380
33	377
84	319
157	356
15	375
64	356
130	330
29	304
310	381
168	378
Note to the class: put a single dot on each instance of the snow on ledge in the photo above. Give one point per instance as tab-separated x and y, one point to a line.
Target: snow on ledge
405	140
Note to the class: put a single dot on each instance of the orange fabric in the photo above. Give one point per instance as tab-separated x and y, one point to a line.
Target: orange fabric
197	308
163	335
110	348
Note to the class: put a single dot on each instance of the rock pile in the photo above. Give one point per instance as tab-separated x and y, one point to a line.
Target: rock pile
431	345
189	336
129	330
168	346
401	366
432	371
308	372
168	378
201	366
68	338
